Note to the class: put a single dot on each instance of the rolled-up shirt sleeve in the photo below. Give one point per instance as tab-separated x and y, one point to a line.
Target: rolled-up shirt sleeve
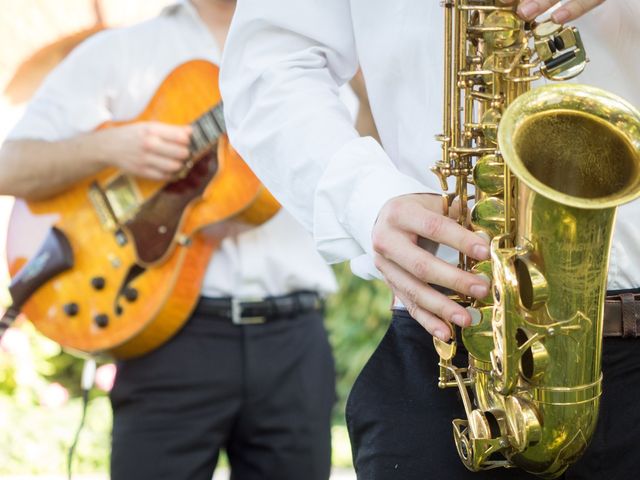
59	111
284	62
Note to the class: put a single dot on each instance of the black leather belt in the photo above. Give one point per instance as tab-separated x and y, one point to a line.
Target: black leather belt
250	311
622	315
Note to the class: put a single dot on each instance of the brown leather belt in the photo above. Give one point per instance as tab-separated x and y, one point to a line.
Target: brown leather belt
622	316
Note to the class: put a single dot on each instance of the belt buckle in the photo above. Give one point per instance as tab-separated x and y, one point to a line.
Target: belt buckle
236	314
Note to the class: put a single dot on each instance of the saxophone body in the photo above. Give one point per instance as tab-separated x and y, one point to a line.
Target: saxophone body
545	169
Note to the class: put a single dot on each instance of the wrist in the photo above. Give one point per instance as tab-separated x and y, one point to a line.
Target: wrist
100	149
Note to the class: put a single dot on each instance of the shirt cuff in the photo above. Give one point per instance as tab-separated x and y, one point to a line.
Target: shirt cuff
363	267
357	182
374	188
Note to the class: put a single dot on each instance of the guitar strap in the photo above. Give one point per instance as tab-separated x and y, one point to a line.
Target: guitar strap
55	256
7	319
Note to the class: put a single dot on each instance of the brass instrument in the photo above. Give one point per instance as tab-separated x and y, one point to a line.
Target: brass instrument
548	166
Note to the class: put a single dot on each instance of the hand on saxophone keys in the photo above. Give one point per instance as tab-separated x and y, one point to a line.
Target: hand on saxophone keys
409	269
530	9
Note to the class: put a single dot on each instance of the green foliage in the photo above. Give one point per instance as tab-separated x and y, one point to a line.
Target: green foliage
7	376
36	438
357	317
37	424
66	370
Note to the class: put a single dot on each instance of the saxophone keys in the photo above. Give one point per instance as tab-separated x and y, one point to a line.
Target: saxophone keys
522	423
485	270
446	350
442	171
545	30
488	175
479	426
532	285
502	29
478	337
488	215
560	49
490	121
447	202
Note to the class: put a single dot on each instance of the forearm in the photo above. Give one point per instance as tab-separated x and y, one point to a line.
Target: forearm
36	169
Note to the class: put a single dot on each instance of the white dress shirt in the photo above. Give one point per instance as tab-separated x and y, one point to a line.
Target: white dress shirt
281	70
112	77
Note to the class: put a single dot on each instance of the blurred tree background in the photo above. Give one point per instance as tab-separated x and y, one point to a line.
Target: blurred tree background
40	406
357	317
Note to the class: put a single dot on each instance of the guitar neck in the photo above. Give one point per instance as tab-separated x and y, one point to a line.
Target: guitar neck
207	129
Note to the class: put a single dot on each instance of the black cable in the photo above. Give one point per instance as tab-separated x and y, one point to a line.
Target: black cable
72	448
88	377
7	319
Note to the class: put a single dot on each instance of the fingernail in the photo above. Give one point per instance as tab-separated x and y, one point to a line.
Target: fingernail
528	10
560	16
480	252
479	291
441	335
459	319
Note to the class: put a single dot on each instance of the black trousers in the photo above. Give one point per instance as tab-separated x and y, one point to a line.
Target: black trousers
262	392
400	421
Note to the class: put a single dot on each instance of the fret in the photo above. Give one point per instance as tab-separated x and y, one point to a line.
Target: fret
199	138
218	115
207	129
210	127
193	147
212	118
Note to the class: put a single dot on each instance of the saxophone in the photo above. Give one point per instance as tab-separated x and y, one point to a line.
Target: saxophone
546	168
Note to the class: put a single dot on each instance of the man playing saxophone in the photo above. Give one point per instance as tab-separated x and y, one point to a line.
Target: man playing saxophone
371	202
255	379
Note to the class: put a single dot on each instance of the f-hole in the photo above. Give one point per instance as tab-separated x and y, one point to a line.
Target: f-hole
134	272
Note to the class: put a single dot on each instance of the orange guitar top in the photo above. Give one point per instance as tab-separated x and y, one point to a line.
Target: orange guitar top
139	246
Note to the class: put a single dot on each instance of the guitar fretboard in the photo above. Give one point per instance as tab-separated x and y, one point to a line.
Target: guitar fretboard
207	129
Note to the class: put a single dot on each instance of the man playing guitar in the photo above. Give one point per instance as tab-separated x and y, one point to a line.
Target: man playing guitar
260	387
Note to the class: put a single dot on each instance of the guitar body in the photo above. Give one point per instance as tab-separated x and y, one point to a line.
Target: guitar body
139	247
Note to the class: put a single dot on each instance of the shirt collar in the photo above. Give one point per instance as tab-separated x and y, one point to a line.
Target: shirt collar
178	6
186	7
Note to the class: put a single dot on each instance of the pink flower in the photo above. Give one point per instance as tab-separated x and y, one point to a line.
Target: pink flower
16	343
105	376
54	396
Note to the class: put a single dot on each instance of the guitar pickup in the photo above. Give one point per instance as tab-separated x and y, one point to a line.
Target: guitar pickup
101	206
115	204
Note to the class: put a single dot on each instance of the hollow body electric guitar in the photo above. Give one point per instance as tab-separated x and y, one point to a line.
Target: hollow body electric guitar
115	263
